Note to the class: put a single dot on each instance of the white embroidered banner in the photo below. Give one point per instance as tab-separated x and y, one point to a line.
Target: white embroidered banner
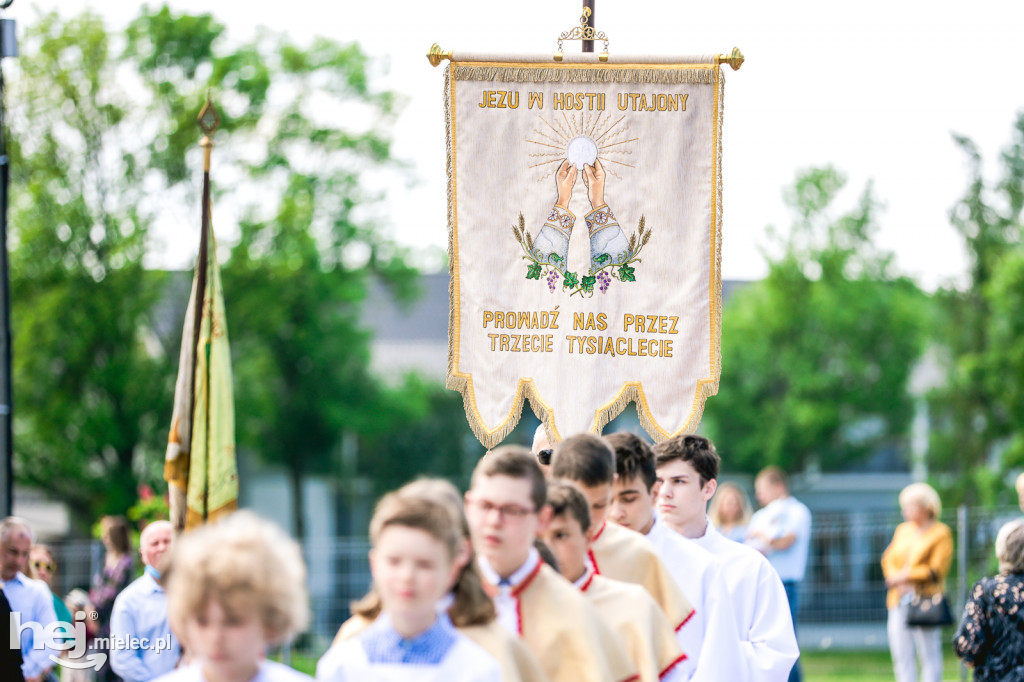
585	242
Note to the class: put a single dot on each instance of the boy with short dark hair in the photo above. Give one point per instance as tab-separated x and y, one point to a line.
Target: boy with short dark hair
687	468
507	507
711	636
616	552
626	608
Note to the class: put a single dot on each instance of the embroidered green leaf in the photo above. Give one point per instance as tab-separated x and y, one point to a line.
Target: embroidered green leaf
626	273
533	272
571	280
602	259
588	283
554	258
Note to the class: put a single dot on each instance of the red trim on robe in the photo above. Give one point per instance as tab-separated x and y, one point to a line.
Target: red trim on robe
599	531
686	620
593	561
518	589
586	585
666	671
633	678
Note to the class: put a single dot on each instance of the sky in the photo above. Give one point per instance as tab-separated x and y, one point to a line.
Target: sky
875	88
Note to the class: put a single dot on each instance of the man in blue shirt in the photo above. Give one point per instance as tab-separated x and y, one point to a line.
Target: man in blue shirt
28	598
142	646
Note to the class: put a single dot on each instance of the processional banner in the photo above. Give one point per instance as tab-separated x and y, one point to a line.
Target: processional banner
585	225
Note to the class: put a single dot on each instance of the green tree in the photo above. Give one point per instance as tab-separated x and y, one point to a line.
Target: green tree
977	415
298	274
816	357
88	390
105	138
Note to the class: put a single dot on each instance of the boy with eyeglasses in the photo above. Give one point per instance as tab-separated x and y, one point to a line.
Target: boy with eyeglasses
507	507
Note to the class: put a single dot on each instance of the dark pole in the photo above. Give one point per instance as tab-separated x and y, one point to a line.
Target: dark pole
588	45
8	47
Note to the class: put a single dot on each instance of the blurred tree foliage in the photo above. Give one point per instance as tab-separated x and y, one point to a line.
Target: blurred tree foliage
978	416
103	136
816	357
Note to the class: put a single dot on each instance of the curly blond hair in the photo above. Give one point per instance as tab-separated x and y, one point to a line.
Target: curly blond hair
248	566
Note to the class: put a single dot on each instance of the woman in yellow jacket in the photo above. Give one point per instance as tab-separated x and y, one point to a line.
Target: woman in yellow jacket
916	561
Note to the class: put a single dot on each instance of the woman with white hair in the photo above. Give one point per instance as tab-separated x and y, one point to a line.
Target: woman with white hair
915	564
991	633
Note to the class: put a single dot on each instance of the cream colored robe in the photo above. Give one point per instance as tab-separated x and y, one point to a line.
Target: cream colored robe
565	633
639	622
623	554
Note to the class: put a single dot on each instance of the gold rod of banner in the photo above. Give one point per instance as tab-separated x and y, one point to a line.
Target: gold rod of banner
209	121
436	54
734	59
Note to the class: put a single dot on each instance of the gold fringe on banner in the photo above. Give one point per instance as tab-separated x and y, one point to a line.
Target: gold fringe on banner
679	74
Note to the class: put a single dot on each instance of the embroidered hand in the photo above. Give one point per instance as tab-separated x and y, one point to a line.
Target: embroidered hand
594	177
565	180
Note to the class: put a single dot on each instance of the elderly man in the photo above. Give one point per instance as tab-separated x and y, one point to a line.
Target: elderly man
139	628
28	598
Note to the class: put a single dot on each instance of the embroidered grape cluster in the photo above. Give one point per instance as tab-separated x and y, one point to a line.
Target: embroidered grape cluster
603	269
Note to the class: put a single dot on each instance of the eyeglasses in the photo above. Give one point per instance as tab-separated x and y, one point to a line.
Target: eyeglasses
505	511
48	565
544	456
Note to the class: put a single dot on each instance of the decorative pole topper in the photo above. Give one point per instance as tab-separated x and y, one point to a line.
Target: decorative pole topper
209	122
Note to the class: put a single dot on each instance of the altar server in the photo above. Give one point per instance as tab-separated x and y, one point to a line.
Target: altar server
469	607
417	554
687	470
506	507
236	588
617	552
711	635
626	608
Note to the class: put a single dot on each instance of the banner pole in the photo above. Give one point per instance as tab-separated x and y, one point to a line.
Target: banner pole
588	45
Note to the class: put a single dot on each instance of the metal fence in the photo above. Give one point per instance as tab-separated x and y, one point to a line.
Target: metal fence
844	584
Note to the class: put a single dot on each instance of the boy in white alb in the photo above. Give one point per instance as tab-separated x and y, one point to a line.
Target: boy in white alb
710	638
507	507
687	469
238	586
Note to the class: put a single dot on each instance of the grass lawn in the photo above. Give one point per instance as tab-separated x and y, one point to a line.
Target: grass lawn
862	666
819	666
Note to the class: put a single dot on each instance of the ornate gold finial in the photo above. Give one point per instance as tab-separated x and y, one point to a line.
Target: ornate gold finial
583	32
436	54
734	59
209	121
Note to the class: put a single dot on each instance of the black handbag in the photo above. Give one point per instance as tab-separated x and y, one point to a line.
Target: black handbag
929	611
